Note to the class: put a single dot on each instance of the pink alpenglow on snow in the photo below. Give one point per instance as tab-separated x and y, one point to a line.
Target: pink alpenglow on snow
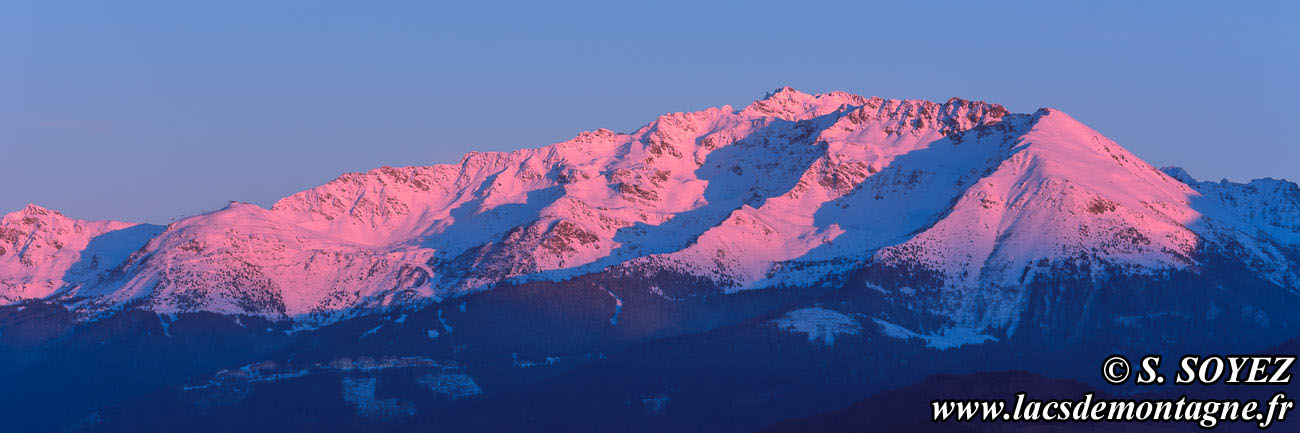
790	191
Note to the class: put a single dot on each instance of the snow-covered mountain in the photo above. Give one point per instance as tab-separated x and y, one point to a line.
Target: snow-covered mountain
43	252
725	268
794	190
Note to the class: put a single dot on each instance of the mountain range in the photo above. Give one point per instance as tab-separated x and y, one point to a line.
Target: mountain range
831	229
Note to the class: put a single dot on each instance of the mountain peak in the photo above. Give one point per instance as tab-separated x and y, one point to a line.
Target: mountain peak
34	209
32	213
790	104
598	134
1178	173
785	91
236	204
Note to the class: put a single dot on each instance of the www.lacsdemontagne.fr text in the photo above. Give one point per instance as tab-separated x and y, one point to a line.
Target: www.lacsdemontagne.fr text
1206	413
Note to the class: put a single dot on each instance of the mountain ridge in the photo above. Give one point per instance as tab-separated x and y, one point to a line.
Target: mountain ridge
791	190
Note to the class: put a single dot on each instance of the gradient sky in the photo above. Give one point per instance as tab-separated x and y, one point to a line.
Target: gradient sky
147	111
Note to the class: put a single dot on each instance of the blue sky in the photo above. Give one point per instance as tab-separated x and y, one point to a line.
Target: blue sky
148	111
